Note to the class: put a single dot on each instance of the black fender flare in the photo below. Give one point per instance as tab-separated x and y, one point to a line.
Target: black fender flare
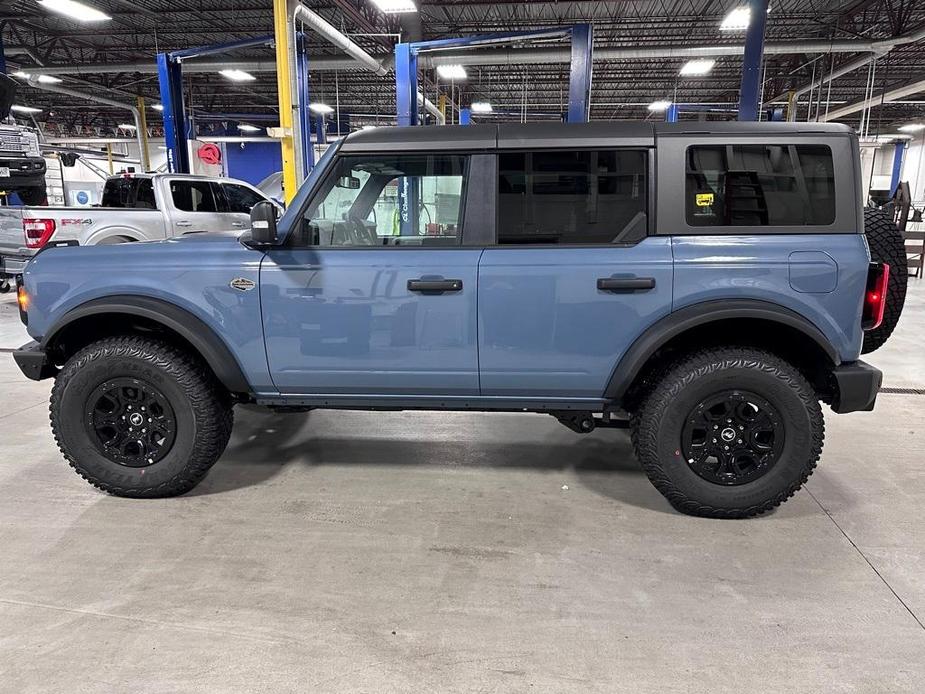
684	319
203	338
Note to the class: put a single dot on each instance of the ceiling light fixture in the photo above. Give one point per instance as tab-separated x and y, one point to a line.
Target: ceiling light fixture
736	20
24	109
237	75
157	107
700	66
911	128
395	6
75	10
661	105
247	128
126	126
320	108
481	107
452	72
44	79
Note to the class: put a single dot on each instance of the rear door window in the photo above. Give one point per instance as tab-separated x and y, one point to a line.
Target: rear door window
759	185
578	197
240	198
193	196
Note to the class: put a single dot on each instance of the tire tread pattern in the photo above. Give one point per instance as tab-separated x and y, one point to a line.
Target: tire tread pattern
886	246
212	405
646	423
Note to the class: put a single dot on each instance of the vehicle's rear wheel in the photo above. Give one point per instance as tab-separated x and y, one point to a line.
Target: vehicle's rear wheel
886	246
138	417
729	433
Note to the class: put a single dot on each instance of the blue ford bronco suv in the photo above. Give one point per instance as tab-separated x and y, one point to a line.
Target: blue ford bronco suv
705	285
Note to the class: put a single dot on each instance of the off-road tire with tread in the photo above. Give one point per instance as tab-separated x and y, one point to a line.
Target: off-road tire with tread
204	415
658	422
886	246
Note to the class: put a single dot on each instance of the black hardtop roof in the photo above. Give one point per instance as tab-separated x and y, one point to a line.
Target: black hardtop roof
532	135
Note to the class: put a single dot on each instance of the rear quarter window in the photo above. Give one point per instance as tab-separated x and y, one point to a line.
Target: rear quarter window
759	185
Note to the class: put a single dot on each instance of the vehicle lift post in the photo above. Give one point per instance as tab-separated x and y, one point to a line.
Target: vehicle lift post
406	68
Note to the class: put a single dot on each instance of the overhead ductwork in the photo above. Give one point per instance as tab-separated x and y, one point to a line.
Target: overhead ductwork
319	24
883	98
33	81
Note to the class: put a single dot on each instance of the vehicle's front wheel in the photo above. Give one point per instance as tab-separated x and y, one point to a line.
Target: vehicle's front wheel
138	417
729	433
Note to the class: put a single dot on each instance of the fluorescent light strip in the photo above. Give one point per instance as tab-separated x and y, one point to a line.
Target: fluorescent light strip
395	6
661	105
244	127
452	72
24	109
700	66
481	107
319	108
75	10
237	75
737	19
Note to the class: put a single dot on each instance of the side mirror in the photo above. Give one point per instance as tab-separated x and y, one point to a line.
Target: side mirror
351	182
263	223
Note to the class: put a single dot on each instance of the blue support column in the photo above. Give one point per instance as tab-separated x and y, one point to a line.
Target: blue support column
465	116
579	87
321	130
304	124
170	76
750	90
406	84
898	152
2	56
672	113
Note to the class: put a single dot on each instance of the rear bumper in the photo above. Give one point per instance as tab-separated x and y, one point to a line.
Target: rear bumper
857	386
33	362
11	265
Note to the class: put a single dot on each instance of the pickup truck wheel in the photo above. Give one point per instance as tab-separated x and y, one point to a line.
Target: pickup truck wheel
729	433
137	417
886	246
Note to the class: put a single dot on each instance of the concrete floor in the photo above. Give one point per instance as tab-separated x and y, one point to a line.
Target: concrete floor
410	552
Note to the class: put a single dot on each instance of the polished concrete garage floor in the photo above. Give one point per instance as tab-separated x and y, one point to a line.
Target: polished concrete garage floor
427	552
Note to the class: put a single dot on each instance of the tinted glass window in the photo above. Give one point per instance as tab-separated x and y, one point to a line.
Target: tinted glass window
193	196
583	197
389	200
144	195
119	192
760	185
240	198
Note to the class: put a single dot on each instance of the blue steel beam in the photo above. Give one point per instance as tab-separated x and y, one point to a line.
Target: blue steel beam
672	113
170	76
898	151
579	85
200	51
750	90
465	116
406	84
304	124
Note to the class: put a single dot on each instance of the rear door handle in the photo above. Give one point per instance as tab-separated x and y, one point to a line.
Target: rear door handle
434	286
184	224
625	284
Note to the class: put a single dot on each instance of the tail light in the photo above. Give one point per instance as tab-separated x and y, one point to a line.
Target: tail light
37	231
878	280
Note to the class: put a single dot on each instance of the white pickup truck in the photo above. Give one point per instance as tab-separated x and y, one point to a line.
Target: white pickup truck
134	207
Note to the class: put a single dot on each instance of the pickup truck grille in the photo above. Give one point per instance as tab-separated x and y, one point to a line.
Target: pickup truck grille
11	143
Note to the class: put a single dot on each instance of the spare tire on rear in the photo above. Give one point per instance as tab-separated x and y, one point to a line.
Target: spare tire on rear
886	246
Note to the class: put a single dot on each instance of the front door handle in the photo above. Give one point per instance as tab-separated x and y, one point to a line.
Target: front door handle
184	224
625	284
434	286
237	224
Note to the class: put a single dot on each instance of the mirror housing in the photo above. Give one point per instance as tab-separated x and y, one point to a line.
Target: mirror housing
263	223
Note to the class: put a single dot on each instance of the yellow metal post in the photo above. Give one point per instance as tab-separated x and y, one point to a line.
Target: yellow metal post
791	105
441	104
143	124
109	158
283	84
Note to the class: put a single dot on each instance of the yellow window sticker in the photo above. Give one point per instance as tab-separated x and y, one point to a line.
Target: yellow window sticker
704	199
